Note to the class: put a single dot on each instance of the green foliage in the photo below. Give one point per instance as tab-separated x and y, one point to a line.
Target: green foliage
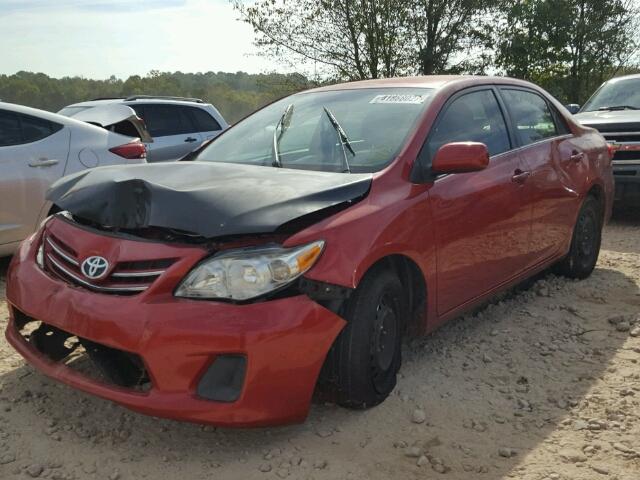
234	94
567	46
355	40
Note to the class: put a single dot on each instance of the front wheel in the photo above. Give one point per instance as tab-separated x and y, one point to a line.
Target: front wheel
367	354
585	243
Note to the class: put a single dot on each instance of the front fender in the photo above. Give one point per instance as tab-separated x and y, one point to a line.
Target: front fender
390	222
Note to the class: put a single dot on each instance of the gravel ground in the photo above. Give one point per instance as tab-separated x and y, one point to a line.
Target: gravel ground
543	384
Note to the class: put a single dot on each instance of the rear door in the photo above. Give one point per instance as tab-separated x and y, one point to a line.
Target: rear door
554	159
481	218
33	154
172	128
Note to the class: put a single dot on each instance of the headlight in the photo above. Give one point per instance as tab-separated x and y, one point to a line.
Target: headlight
248	273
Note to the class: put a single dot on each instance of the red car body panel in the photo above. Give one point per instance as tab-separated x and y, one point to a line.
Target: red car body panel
470	235
285	340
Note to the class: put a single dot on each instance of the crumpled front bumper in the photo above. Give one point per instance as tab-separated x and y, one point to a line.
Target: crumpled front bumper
285	342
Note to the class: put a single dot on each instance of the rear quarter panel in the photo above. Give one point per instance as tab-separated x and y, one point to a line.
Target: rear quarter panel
598	169
90	148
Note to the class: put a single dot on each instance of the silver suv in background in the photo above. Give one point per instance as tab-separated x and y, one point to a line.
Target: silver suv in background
614	110
178	125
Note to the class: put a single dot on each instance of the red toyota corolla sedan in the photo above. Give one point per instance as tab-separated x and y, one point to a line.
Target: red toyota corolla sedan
300	247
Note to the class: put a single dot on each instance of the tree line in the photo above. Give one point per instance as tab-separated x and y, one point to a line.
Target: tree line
234	94
567	46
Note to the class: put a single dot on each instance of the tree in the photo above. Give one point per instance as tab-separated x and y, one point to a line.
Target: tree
360	39
352	39
445	32
567	46
234	94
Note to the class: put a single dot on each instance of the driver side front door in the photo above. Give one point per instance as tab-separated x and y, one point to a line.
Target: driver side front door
482	219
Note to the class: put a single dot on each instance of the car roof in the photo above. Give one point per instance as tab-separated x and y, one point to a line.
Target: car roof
35	112
425	81
52	117
105	101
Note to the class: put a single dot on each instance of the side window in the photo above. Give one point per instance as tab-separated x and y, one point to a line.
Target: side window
204	122
531	116
472	117
165	120
34	129
9	129
561	123
16	128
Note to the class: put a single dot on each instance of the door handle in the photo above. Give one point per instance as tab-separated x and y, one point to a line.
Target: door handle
520	177
576	156
43	162
190	139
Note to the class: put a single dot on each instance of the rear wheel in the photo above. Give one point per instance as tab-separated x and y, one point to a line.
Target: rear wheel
585	243
367	355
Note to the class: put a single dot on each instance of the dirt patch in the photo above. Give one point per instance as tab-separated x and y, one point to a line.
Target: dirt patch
544	384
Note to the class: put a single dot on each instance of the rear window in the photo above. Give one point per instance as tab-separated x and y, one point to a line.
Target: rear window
165	120
204	122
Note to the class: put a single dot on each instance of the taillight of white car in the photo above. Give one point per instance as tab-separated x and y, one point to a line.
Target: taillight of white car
130	151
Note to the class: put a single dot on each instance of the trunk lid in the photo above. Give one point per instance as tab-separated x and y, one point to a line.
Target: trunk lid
118	118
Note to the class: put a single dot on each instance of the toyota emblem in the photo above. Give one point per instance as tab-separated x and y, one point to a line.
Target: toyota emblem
94	267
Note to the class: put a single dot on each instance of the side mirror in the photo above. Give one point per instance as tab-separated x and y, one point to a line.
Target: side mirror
460	157
573	108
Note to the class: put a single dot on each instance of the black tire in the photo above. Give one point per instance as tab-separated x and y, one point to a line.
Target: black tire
585	242
366	356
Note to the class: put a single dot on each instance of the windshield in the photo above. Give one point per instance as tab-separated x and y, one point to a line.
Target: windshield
71	111
615	94
298	132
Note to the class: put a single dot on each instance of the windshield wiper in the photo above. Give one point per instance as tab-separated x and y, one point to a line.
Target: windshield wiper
283	124
344	139
617	107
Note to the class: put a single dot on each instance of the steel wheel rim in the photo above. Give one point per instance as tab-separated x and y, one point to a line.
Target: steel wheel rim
586	235
384	341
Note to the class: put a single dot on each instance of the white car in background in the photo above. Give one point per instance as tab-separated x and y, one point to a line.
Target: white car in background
37	148
178	125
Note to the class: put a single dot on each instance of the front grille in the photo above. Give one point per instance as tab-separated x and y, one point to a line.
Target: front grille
622	137
125	278
628	127
627	144
626	156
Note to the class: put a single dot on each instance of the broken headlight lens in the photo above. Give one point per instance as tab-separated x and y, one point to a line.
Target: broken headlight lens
248	273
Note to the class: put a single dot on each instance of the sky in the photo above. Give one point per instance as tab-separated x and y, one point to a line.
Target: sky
100	38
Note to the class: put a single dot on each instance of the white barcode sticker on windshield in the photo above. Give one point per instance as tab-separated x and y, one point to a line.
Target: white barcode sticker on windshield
407	99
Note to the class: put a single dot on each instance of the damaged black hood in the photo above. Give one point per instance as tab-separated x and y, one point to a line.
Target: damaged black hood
207	199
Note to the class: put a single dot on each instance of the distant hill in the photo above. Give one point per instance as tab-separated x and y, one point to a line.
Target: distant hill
234	94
